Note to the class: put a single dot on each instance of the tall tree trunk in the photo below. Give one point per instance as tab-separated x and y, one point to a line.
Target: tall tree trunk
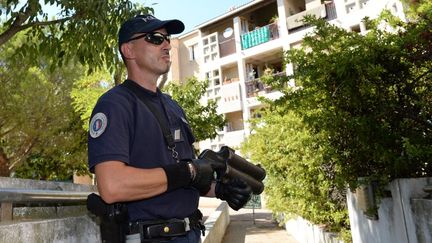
4	164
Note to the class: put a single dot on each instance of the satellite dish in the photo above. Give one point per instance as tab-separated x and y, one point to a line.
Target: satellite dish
228	32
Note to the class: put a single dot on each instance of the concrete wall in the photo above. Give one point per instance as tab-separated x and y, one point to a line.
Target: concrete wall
216	224
423	219
305	232
404	217
35	223
80	229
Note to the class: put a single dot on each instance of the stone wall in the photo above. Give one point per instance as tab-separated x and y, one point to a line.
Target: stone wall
80	229
34	223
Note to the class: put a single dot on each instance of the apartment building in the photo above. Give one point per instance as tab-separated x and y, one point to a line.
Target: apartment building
233	51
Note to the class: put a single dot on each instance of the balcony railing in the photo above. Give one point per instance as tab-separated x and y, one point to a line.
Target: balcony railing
331	11
256	87
325	11
260	36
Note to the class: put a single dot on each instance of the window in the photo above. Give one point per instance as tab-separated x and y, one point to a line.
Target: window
210	48
349	8
192	52
356	28
364	3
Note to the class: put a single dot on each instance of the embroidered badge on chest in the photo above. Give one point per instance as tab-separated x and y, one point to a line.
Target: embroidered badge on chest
98	124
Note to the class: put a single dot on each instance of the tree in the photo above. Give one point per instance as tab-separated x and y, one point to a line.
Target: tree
360	108
36	116
87	90
83	30
58	158
203	119
370	95
300	181
37	122
416	8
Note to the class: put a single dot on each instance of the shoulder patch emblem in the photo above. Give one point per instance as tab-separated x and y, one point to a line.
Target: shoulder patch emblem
98	124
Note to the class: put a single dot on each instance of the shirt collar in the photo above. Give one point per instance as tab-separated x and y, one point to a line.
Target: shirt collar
145	91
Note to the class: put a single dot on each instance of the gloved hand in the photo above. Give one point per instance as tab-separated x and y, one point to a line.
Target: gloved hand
196	173
235	192
203	174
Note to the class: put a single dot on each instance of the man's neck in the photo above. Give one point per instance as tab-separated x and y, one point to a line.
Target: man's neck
145	80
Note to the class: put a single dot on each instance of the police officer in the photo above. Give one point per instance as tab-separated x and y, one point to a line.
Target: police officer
129	149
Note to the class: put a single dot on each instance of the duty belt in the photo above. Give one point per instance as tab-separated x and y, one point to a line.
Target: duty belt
166	229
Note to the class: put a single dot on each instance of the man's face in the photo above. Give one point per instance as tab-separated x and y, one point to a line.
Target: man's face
151	51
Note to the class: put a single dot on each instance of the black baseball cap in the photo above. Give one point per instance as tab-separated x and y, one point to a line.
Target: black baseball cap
147	23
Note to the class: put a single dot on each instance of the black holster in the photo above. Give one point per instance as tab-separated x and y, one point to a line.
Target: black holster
114	218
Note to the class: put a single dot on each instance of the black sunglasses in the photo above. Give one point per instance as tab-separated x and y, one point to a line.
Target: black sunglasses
155	38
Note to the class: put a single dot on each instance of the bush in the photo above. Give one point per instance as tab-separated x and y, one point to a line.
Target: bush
370	95
299	180
360	108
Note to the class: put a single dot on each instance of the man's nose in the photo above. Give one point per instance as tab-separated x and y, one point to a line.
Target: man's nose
166	45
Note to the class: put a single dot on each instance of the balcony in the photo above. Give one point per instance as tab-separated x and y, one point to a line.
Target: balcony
256	87
230	98
227	47
259	36
325	11
234	138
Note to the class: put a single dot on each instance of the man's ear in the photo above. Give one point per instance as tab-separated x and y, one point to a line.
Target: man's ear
126	49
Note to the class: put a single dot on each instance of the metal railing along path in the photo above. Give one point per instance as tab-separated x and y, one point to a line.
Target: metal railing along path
11	196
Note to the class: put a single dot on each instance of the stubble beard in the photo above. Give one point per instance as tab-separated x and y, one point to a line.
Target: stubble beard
167	69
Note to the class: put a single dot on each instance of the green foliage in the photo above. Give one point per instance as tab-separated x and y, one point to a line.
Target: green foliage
87	90
36	118
414	8
61	162
39	130
370	95
84	31
41	167
203	119
300	181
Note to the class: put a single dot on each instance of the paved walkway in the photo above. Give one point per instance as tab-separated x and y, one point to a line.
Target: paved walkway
248	226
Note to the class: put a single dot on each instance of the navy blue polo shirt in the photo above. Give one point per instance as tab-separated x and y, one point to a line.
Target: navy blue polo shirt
123	128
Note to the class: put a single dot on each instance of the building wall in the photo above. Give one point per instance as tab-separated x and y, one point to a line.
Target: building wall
174	73
183	67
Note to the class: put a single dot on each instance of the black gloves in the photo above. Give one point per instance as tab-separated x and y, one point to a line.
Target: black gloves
235	192
196	173
203	174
